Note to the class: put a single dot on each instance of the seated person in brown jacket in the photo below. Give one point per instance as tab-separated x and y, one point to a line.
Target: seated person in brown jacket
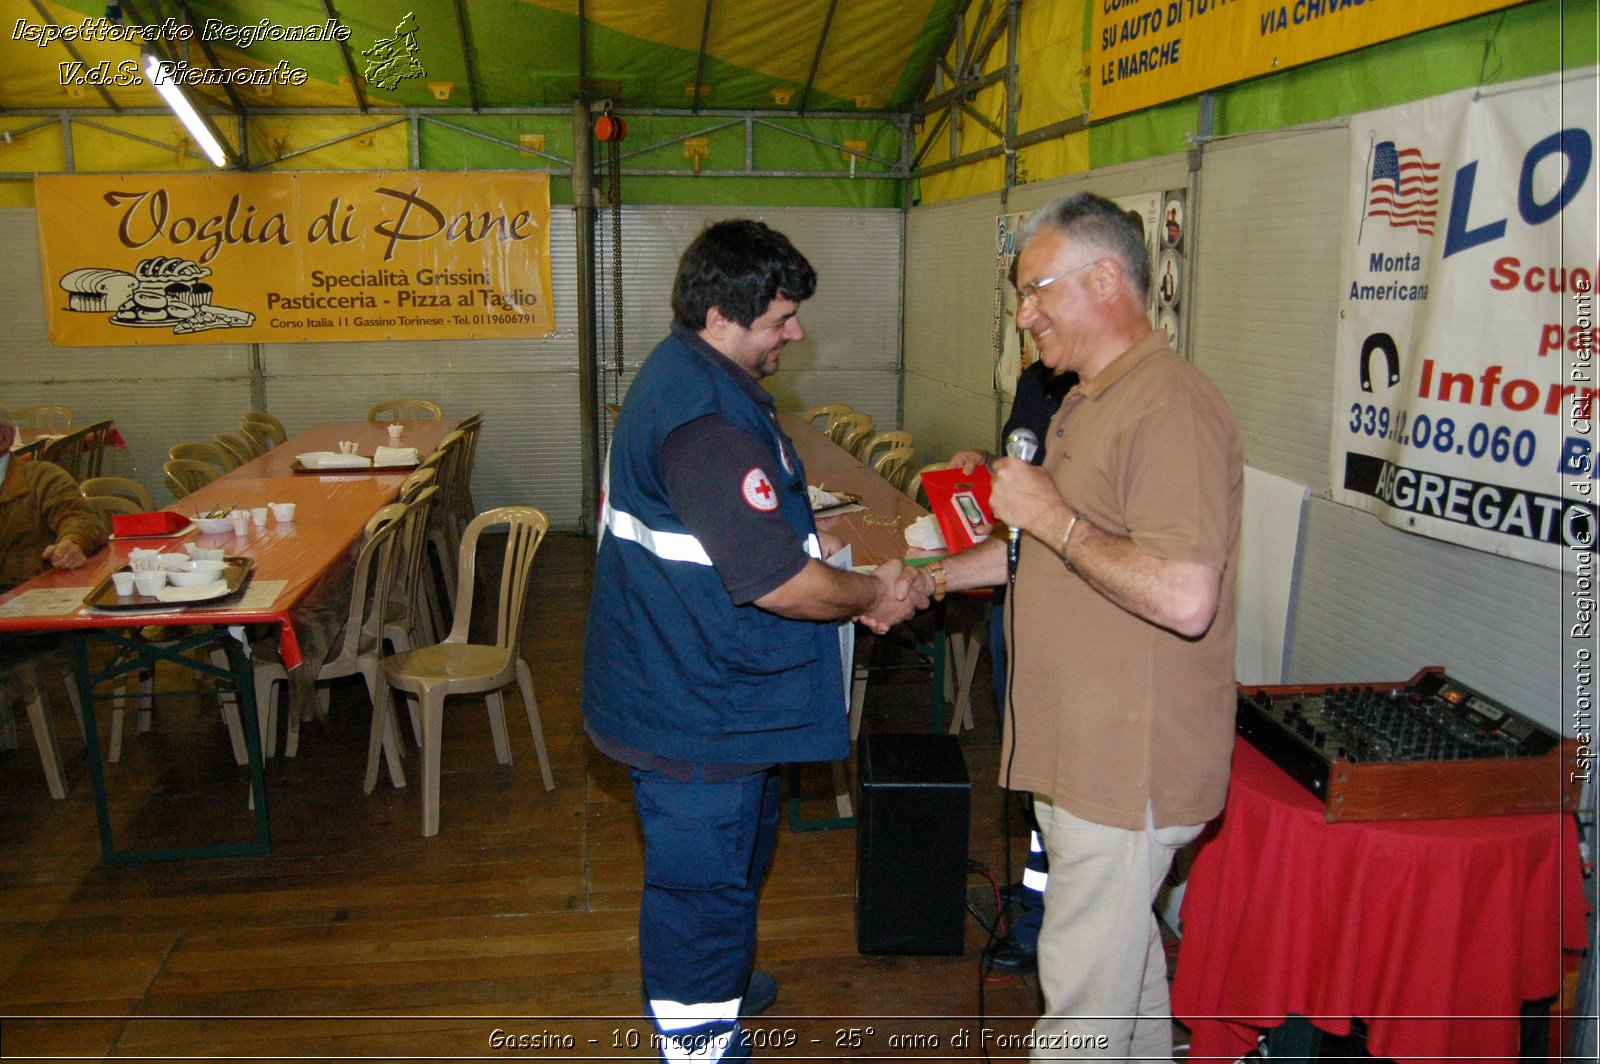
44	520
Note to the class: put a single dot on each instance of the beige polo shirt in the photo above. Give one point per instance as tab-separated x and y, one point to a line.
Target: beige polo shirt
1111	712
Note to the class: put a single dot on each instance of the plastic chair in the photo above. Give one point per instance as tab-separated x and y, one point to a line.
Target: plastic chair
830	412
204	452
66	452
855	430
882	441
19	681
274	428
257	436
236	446
80	452
458	666
357	648
894	465
410	409
53	417
185	475
914	488
106	505
131	490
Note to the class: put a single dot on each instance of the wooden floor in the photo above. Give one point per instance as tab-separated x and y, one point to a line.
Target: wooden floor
358	937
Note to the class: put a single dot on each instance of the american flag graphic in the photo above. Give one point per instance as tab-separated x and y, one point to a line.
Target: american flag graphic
1404	189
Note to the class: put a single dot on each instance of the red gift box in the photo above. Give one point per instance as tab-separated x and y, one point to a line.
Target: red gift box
159	523
961	503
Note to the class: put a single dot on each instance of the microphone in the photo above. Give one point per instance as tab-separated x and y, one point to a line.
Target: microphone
1023	444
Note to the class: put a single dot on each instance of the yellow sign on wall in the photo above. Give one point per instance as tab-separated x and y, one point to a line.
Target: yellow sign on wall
259	258
1146	52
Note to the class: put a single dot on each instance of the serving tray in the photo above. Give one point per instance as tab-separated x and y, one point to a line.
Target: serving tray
103	596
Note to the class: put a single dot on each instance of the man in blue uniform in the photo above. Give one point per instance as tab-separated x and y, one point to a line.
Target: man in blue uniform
712	653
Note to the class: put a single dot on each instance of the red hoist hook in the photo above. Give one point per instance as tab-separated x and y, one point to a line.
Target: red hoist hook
608	128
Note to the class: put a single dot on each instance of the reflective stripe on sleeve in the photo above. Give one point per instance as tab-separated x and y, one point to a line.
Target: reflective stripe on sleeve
669	546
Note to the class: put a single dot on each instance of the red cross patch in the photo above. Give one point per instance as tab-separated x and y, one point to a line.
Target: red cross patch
758	490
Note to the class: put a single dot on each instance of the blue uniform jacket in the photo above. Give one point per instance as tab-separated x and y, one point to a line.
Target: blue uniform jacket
672	666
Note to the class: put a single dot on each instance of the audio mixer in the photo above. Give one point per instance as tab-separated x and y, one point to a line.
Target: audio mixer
1426	747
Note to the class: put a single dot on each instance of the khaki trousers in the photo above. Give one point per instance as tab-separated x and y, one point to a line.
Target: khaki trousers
1101	963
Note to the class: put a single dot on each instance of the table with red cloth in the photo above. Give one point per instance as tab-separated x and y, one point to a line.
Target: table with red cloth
1433	932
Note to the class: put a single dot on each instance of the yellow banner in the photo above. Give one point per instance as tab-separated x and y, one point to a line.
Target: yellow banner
1146	52
259	258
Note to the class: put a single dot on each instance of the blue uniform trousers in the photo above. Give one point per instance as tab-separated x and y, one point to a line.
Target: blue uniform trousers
706	850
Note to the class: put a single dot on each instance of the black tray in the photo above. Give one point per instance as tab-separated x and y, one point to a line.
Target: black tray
236	571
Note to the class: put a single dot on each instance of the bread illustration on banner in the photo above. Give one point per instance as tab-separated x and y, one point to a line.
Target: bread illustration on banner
161	292
97	290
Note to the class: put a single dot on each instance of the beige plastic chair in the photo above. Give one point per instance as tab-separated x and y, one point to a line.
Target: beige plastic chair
122	487
855	430
204	452
20	683
185	475
258	436
106	505
238	447
914	488
274	428
829	413
882	441
894	465
458	666
53	417
358	646
410	409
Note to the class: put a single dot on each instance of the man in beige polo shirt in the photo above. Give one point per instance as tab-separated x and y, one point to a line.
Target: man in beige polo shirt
1122	636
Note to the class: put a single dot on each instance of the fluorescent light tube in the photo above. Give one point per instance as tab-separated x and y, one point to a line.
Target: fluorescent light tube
178	100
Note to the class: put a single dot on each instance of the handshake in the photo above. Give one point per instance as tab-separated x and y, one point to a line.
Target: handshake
902	591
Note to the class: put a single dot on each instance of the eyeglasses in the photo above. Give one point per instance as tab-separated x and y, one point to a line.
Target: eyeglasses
1032	291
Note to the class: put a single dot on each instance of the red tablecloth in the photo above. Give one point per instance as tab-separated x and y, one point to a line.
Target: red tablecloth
1433	932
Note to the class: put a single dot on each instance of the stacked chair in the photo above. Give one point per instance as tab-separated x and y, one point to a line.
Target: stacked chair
354	643
830	415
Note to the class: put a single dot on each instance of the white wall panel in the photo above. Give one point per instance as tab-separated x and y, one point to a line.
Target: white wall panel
1264	280
949	318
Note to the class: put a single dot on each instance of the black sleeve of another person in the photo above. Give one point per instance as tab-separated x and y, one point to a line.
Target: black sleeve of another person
1039	395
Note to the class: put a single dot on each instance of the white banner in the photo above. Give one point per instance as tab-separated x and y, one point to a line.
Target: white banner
1465	367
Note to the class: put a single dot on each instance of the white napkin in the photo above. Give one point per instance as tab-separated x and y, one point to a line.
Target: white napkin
332	460
924	532
821	500
192	594
393	456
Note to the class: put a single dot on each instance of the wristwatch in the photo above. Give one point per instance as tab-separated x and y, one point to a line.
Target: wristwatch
936	570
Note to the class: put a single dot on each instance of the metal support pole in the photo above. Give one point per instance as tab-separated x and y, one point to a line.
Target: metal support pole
588	358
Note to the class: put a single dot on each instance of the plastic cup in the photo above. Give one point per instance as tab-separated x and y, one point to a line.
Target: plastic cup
150	581
258	516
241	521
396	430
282	511
124	583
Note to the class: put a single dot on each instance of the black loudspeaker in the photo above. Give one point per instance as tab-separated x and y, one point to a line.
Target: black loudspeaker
911	844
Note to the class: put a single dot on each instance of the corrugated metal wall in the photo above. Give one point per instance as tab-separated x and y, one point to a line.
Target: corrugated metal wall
528	389
1371	602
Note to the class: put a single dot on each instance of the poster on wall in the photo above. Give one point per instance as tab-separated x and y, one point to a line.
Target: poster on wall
1146	52
1014	349
258	258
1464	373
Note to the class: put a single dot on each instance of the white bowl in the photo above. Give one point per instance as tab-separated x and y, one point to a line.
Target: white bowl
184	578
213	525
211	566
